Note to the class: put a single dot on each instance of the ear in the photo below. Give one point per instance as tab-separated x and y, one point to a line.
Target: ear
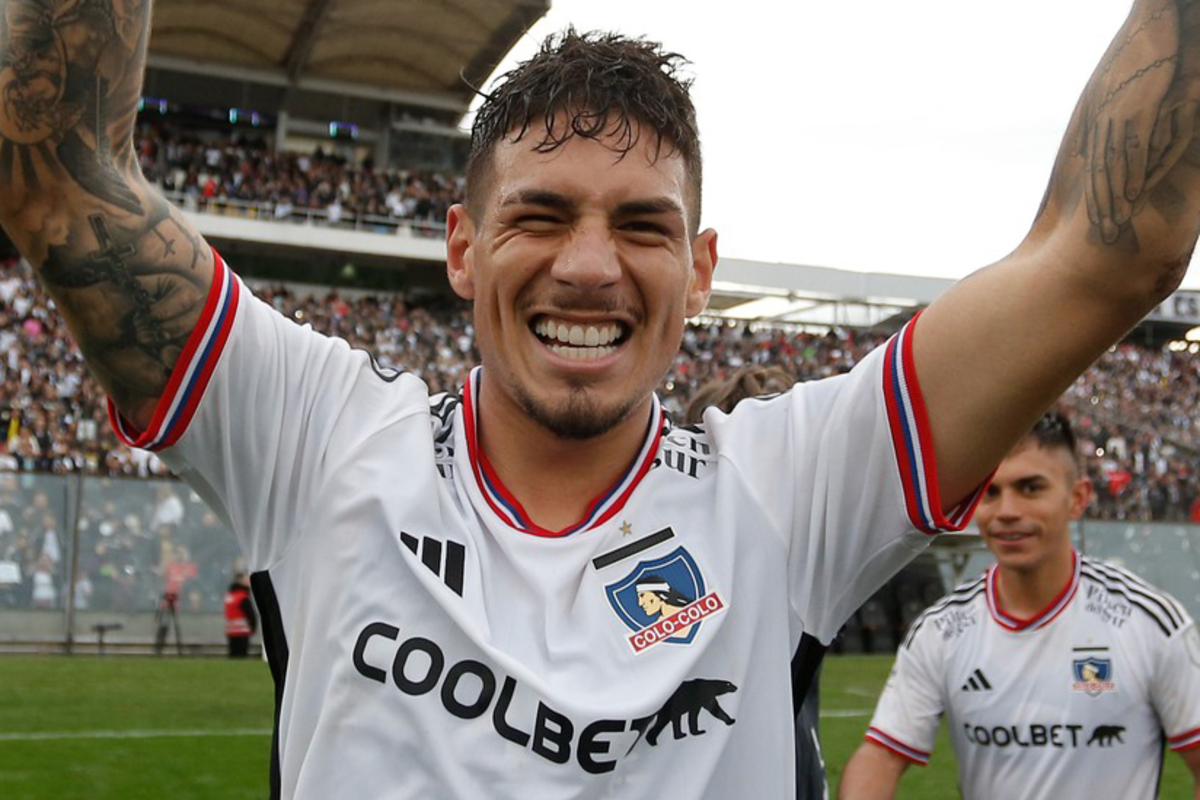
704	263
1081	495
460	261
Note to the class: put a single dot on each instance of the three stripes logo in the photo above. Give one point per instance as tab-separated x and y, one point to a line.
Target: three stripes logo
977	683
447	560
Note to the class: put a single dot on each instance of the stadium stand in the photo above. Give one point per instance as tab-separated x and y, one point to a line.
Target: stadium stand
1132	406
321	163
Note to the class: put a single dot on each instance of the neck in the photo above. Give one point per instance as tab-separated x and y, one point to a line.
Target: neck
1025	593
554	479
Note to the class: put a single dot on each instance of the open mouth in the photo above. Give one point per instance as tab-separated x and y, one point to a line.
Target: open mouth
582	342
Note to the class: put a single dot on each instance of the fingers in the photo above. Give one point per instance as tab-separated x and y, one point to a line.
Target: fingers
1120	170
1137	159
1160	140
1181	124
1102	179
1089	178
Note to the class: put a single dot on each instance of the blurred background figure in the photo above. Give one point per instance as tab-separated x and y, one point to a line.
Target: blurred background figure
240	618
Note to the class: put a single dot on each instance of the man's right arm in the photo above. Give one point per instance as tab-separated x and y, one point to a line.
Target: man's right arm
872	773
127	271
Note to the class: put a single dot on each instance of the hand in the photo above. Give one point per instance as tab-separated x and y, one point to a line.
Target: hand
1136	117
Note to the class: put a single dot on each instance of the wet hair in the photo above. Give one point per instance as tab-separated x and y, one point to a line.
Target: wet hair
1054	431
590	85
751	380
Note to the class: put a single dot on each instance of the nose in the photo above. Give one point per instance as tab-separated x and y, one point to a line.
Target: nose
1008	506
589	258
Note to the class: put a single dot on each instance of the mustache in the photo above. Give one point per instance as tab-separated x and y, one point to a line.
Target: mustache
585	302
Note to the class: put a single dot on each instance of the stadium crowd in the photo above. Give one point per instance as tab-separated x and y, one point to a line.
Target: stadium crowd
1131	410
209	172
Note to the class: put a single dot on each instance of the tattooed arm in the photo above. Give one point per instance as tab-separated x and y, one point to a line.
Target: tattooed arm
126	270
1112	239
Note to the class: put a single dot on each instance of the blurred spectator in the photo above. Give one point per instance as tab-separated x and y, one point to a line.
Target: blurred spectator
1133	409
215	172
44	586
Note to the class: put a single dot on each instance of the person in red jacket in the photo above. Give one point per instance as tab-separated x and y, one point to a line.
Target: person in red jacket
240	619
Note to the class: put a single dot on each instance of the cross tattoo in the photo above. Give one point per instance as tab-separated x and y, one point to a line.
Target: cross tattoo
110	254
110	258
168	244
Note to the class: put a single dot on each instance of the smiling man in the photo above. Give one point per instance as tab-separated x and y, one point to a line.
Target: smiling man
449	585
1059	675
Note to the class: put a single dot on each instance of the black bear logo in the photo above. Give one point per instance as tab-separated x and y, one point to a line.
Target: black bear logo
1105	735
688	700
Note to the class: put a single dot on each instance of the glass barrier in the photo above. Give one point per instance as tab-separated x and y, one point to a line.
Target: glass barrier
1164	554
35	524
86	561
147	562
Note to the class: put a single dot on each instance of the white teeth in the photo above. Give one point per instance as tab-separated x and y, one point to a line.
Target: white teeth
589	336
582	353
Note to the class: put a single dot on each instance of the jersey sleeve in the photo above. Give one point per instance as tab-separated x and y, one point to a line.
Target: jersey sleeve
845	465
910	708
258	410
1175	690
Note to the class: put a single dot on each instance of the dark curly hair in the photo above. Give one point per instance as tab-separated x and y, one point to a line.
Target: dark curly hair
605	84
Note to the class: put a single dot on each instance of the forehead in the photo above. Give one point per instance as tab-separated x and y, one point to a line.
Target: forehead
589	170
1029	459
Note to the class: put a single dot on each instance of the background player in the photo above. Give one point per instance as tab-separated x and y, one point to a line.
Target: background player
1057	673
581	249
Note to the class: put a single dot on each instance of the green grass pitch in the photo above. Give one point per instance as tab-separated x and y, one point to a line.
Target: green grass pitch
195	729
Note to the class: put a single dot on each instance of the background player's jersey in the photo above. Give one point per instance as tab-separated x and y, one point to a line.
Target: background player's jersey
1070	704
429	640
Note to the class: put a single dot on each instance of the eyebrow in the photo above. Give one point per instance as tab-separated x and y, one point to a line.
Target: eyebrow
539	197
1024	480
1030	481
657	205
630	208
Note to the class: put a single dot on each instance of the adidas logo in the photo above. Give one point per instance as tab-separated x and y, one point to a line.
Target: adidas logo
977	683
444	559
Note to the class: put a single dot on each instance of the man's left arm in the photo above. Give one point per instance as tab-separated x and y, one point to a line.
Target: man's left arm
1192	757
1112	239
1175	689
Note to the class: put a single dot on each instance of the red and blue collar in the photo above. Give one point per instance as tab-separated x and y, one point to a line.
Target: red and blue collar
509	509
1043	617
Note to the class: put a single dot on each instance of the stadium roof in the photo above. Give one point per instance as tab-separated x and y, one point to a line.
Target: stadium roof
412	51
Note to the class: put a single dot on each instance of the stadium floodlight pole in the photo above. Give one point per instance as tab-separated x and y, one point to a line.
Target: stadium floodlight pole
74	485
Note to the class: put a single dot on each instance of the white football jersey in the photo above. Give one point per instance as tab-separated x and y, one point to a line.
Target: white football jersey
1077	702
429	640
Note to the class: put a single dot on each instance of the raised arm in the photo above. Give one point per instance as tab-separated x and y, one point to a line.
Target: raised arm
127	271
1112	238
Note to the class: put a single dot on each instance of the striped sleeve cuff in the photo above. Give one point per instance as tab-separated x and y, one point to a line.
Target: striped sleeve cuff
918	757
192	371
913	442
1185	741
